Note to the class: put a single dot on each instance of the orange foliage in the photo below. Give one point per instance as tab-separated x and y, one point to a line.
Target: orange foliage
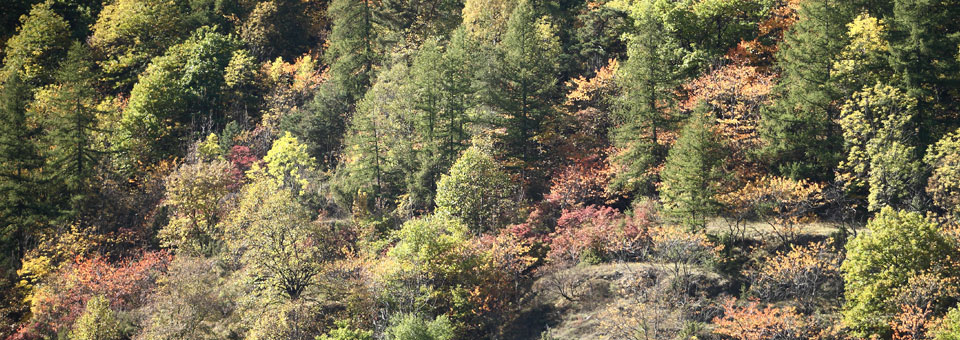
735	94
582	183
912	322
784	204
589	92
761	50
798	274
751	322
127	284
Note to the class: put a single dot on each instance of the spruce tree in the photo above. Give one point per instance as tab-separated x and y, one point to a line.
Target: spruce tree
523	88
691	173
802	139
68	111
648	80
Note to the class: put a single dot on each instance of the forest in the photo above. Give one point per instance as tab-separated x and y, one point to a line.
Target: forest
480	169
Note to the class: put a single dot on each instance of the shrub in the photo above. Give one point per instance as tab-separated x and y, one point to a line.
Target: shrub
799	274
750	322
882	261
412	327
596	234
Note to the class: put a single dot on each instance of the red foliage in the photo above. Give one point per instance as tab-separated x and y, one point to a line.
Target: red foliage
127	284
242	158
602	231
582	183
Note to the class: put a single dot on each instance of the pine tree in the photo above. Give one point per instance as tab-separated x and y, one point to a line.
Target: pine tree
802	140
524	87
648	79
691	173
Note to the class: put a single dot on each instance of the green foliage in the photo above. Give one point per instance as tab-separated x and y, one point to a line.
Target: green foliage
880	137
692	172
98	322
345	332
949	328
179	93
925	36
944	183
412	327
297	319
68	110
280	28
441	90
351	51
645	111
379	144
195	300
897	247
863	62
801	138
35	51
523	86
477	192
277	239
196	194
430	243
23	209
418	20
288	164
132	32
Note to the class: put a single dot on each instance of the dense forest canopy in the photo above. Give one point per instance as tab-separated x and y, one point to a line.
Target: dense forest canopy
479	169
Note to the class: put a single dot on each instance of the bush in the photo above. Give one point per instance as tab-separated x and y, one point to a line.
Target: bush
412	327
750	322
345	332
594	234
799	274
882	261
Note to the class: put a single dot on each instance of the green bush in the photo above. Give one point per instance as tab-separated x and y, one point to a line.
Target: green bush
881	262
412	327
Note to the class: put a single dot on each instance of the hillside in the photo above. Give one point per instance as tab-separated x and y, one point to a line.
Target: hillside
479	169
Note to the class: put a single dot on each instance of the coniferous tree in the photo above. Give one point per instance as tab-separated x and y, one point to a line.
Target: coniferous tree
923	48
351	53
691	173
441	88
67	109
801	139
645	111
22	207
524	87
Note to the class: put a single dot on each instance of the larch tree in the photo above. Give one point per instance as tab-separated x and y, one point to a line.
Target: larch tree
68	111
442	92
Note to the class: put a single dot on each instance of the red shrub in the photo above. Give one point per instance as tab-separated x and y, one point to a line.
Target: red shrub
601	232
